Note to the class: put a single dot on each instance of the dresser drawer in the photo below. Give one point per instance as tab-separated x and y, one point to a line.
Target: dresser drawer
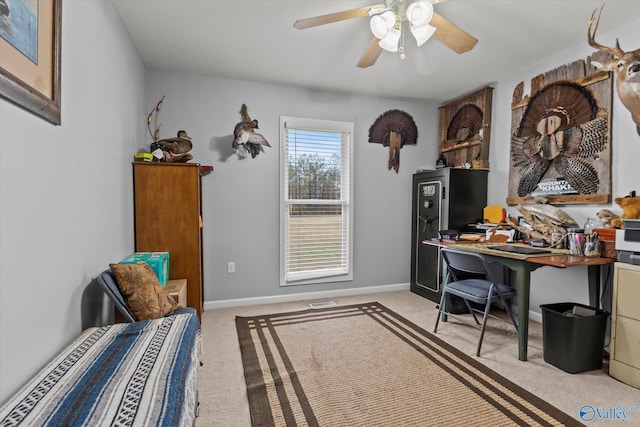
627	341
628	294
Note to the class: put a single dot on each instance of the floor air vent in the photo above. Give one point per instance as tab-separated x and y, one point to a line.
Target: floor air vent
322	304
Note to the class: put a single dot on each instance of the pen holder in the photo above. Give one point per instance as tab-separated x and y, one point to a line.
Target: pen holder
575	240
592	245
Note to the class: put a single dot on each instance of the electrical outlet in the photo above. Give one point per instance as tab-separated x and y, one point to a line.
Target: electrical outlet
231	267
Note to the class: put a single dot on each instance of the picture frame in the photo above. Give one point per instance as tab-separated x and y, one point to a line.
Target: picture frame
30	57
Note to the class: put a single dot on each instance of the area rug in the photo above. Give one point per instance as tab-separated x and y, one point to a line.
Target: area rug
364	365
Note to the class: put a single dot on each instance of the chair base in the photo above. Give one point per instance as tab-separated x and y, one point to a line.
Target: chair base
444	314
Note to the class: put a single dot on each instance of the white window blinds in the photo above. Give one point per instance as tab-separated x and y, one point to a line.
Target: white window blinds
316	200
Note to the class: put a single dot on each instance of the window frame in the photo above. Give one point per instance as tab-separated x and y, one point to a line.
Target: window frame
346	128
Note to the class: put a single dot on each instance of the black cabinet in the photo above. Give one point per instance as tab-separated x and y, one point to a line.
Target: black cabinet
443	199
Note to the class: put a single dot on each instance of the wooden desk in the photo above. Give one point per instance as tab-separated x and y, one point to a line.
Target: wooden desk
521	266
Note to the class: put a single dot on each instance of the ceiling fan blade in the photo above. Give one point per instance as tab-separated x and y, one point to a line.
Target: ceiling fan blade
451	35
301	24
370	56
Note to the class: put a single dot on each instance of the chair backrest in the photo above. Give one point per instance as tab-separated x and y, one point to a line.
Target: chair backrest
466	262
109	284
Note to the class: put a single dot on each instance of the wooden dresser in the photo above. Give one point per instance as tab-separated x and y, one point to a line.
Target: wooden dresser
168	217
624	363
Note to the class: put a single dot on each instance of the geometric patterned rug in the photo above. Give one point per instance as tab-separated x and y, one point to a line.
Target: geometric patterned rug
364	365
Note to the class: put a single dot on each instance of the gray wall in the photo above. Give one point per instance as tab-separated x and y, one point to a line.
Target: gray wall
241	196
66	197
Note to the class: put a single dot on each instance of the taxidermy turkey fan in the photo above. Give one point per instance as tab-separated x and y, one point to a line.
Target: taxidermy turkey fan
562	126
466	124
389	21
394	129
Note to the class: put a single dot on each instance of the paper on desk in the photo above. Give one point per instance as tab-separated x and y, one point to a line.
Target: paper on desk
500	235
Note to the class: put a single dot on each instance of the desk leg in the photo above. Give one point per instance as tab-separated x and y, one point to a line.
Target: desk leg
594	273
522	272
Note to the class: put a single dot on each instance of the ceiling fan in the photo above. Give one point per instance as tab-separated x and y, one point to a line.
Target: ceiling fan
388	23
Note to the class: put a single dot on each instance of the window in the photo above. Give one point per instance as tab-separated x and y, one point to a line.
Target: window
316	192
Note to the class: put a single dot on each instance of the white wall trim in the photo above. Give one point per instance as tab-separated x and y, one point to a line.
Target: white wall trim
211	305
240	302
535	316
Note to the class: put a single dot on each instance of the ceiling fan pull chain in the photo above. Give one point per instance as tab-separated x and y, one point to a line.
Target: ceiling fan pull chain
401	49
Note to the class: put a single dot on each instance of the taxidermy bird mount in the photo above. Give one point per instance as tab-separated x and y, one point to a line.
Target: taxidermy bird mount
245	139
394	129
168	149
562	126
176	149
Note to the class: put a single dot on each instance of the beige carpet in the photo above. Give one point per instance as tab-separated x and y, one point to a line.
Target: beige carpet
361	365
223	393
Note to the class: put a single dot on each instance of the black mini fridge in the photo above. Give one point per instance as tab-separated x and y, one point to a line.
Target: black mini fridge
443	199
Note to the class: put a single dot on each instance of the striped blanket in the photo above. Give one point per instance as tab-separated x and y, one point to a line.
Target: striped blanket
129	374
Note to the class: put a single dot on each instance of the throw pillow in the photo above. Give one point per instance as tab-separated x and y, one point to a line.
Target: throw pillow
142	291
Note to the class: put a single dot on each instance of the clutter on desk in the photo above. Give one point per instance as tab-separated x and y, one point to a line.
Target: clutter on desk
494	227
583	244
494	214
472	237
500	235
591	224
448	235
607	242
543	221
575	241
592	245
543	225
484	226
537	243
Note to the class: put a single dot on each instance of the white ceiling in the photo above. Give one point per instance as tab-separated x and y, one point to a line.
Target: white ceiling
255	40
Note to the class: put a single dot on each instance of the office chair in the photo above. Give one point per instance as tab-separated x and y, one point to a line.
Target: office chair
109	284
483	291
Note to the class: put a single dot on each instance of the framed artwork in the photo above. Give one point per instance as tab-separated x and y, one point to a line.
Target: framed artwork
561	137
30	47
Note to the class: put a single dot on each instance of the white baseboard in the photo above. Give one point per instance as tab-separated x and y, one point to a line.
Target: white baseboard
210	305
535	316
239	302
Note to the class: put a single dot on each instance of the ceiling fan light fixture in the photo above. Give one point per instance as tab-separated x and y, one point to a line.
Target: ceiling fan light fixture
422	33
382	23
378	26
388	23
420	13
390	41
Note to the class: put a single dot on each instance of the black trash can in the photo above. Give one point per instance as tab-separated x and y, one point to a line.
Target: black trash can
573	336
